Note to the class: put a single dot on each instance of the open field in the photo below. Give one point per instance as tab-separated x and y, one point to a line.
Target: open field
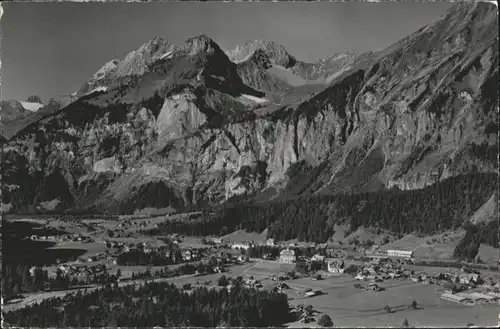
91	249
345	304
241	236
192	242
263	267
488	254
352	307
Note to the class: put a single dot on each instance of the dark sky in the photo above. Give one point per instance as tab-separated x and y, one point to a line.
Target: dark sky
50	49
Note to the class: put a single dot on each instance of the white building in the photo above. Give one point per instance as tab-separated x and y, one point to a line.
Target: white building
240	245
478	295
287	256
336	266
32	270
453	297
400	253
270	242
317	258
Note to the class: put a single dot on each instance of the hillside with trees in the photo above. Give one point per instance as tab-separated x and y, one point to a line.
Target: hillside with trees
157	304
436	208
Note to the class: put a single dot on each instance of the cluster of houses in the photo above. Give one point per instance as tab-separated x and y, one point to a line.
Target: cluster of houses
380	269
66	237
287	256
172	253
75	270
336	266
332	265
246	244
191	254
376	251
101	256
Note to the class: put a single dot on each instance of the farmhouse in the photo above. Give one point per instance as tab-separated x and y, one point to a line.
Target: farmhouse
190	254
373	287
336	266
217	240
456	298
400	253
480	297
313	293
287	256
317	258
469	278
241	245
270	242
33	270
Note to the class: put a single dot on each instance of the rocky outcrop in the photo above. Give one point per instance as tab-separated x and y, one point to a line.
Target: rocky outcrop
179	134
254	72
34	99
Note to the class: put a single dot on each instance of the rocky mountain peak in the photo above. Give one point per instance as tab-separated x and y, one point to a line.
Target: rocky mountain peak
155	48
34	99
411	115
276	52
137	61
201	44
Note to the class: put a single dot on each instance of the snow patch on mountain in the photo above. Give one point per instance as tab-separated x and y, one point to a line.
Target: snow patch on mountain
102	89
30	106
255	99
167	55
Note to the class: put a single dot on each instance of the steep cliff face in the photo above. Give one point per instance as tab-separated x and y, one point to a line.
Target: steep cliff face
255	72
188	131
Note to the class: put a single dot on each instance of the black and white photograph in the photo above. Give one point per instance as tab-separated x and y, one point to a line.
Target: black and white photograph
264	164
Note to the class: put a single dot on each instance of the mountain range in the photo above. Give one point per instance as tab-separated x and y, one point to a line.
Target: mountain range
192	125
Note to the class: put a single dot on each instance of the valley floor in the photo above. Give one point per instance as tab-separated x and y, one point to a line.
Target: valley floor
347	305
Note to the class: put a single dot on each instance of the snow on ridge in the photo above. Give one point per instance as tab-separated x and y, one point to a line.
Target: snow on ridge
255	99
31	106
166	55
102	88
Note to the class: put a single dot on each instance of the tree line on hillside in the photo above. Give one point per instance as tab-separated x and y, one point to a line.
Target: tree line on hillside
157	304
442	206
261	251
468	247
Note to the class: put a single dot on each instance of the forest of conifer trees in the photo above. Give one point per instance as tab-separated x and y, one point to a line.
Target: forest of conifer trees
157	304
442	206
